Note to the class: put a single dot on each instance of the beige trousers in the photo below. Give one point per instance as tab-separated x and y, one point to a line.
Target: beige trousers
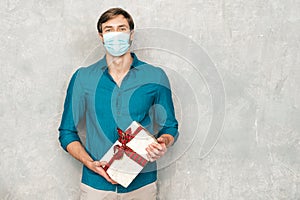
148	192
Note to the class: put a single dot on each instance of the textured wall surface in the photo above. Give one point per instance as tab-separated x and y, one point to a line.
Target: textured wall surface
254	46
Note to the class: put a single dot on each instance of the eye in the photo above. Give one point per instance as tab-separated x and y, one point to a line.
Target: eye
107	30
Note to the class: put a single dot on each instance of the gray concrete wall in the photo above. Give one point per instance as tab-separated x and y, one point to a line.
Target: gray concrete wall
235	73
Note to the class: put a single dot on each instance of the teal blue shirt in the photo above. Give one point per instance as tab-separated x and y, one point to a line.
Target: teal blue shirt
143	96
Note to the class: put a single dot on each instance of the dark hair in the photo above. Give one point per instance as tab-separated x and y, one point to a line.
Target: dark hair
112	13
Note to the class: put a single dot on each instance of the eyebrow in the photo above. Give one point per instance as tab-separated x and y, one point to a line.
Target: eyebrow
122	25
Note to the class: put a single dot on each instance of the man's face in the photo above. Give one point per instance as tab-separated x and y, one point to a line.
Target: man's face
117	24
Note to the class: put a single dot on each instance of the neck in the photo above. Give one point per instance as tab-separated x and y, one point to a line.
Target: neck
119	65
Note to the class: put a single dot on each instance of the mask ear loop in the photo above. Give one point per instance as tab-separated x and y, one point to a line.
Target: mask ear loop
102	37
130	41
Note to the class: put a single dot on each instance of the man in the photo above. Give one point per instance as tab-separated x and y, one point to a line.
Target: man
110	94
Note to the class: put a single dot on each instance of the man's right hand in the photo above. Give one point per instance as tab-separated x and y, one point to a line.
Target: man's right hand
97	167
77	151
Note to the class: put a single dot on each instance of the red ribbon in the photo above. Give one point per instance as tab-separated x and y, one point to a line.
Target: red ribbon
124	138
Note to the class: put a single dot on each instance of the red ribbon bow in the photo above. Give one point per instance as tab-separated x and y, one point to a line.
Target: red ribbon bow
124	138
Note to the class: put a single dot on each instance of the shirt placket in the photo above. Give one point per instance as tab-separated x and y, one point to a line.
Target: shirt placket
119	102
120	95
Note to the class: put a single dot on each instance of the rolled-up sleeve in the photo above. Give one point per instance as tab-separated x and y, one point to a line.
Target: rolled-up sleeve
164	108
74	108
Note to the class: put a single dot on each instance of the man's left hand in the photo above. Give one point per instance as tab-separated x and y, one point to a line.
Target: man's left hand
157	150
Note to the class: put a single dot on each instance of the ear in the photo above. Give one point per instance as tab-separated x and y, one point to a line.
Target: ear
132	35
101	37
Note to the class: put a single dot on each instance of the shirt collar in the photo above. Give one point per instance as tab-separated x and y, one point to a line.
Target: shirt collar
134	64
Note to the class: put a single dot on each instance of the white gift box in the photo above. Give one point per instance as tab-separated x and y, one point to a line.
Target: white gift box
123	170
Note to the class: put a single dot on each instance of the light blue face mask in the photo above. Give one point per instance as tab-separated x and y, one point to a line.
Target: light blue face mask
116	43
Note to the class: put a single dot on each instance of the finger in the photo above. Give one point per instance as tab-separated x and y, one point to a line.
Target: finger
157	145
157	151
103	173
149	151
102	163
96	163
155	156
161	140
154	150
112	181
154	153
150	158
150	154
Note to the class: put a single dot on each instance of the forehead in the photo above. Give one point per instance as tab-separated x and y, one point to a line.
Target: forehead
116	21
